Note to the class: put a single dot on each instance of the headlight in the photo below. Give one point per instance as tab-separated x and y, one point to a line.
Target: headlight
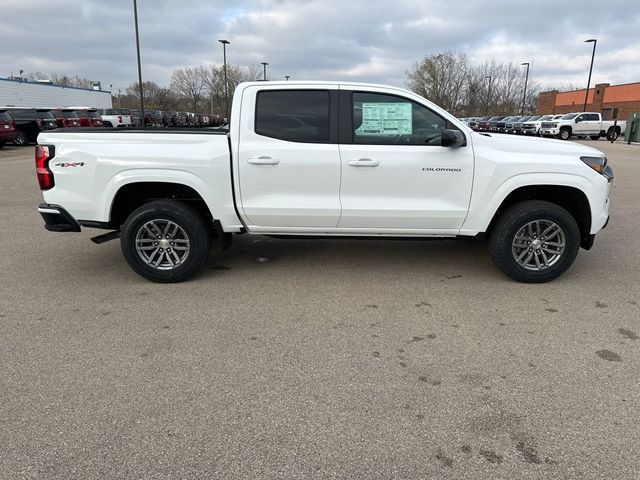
597	163
555	125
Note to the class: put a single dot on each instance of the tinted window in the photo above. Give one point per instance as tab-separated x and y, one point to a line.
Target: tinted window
23	114
42	115
386	119
295	116
4	116
592	116
569	116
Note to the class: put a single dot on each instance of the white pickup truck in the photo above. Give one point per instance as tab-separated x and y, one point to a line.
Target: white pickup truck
325	159
586	124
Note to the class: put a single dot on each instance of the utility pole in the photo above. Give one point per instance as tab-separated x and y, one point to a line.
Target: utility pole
524	95
486	111
135	14
593	54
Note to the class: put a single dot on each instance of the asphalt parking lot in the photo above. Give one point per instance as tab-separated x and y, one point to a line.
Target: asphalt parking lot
334	359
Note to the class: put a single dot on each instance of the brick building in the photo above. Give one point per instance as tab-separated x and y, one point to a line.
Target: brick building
613	101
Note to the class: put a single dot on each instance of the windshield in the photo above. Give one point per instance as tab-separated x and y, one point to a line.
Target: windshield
68	114
546	117
45	115
569	116
535	117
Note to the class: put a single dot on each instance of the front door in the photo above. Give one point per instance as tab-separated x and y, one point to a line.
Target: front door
395	174
288	164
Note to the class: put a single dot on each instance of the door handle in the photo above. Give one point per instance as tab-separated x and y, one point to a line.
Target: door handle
364	162
263	161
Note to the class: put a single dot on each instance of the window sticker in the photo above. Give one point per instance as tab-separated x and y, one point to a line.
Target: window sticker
385	119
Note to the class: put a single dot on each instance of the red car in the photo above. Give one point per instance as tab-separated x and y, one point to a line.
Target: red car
89	117
8	132
66	118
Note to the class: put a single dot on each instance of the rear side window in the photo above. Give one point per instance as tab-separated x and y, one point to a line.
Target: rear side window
43	115
293	115
4	116
23	114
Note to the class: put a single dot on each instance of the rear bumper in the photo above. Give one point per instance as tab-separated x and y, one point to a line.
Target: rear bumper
57	219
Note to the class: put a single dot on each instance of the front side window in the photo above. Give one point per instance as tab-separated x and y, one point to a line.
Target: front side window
293	115
382	119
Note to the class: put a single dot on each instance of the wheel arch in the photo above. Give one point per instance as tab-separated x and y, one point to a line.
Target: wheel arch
134	192
571	198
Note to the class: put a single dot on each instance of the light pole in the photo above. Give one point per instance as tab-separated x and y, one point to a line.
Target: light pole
264	66
226	92
524	95
135	15
287	77
486	111
593	54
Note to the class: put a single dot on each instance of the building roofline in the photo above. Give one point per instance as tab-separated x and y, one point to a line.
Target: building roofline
52	85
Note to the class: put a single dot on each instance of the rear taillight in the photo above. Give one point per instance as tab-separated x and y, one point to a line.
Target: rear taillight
44	154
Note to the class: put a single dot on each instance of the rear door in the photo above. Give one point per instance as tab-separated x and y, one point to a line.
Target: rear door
395	174
288	158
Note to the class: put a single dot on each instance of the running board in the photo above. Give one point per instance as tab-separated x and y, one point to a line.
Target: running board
105	237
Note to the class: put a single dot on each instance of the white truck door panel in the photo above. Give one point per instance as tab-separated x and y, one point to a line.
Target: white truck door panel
289	172
413	184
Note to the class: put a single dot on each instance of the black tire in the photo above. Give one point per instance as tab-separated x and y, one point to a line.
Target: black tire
594	137
511	222
565	133
193	227
612	135
22	139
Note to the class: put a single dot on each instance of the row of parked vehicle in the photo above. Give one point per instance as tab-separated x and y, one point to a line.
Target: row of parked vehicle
563	126
21	126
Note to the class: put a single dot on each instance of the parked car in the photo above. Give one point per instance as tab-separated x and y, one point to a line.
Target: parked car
483	124
500	125
8	132
115	117
583	124
89	117
66	118
509	122
532	126
388	163
493	123
30	122
516	125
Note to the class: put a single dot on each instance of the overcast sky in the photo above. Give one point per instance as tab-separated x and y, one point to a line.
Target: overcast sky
357	40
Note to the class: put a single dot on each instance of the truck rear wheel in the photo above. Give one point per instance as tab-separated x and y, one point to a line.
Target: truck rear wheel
165	241
534	241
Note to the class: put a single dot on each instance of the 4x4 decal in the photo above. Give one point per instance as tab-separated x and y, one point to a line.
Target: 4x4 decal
69	164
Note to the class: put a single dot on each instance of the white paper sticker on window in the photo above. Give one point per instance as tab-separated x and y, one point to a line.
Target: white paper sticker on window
385	119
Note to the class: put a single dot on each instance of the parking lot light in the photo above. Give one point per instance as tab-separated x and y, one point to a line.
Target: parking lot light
287	77
524	95
226	88
593	54
264	66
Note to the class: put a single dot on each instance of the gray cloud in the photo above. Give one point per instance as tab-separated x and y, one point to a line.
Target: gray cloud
363	40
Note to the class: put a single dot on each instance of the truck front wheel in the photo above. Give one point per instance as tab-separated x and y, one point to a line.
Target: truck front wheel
165	241
534	241
565	133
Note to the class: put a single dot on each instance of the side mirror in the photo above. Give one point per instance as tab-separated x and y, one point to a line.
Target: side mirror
452	138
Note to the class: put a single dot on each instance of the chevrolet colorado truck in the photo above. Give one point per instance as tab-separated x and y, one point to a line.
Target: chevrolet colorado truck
582	125
323	159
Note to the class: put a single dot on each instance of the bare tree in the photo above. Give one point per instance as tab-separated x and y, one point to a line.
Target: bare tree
189	82
214	80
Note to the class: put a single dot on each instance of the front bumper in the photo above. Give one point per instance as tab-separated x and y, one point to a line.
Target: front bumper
549	131
57	219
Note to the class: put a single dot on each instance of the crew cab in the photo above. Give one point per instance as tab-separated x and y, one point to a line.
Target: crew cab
586	124
325	159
